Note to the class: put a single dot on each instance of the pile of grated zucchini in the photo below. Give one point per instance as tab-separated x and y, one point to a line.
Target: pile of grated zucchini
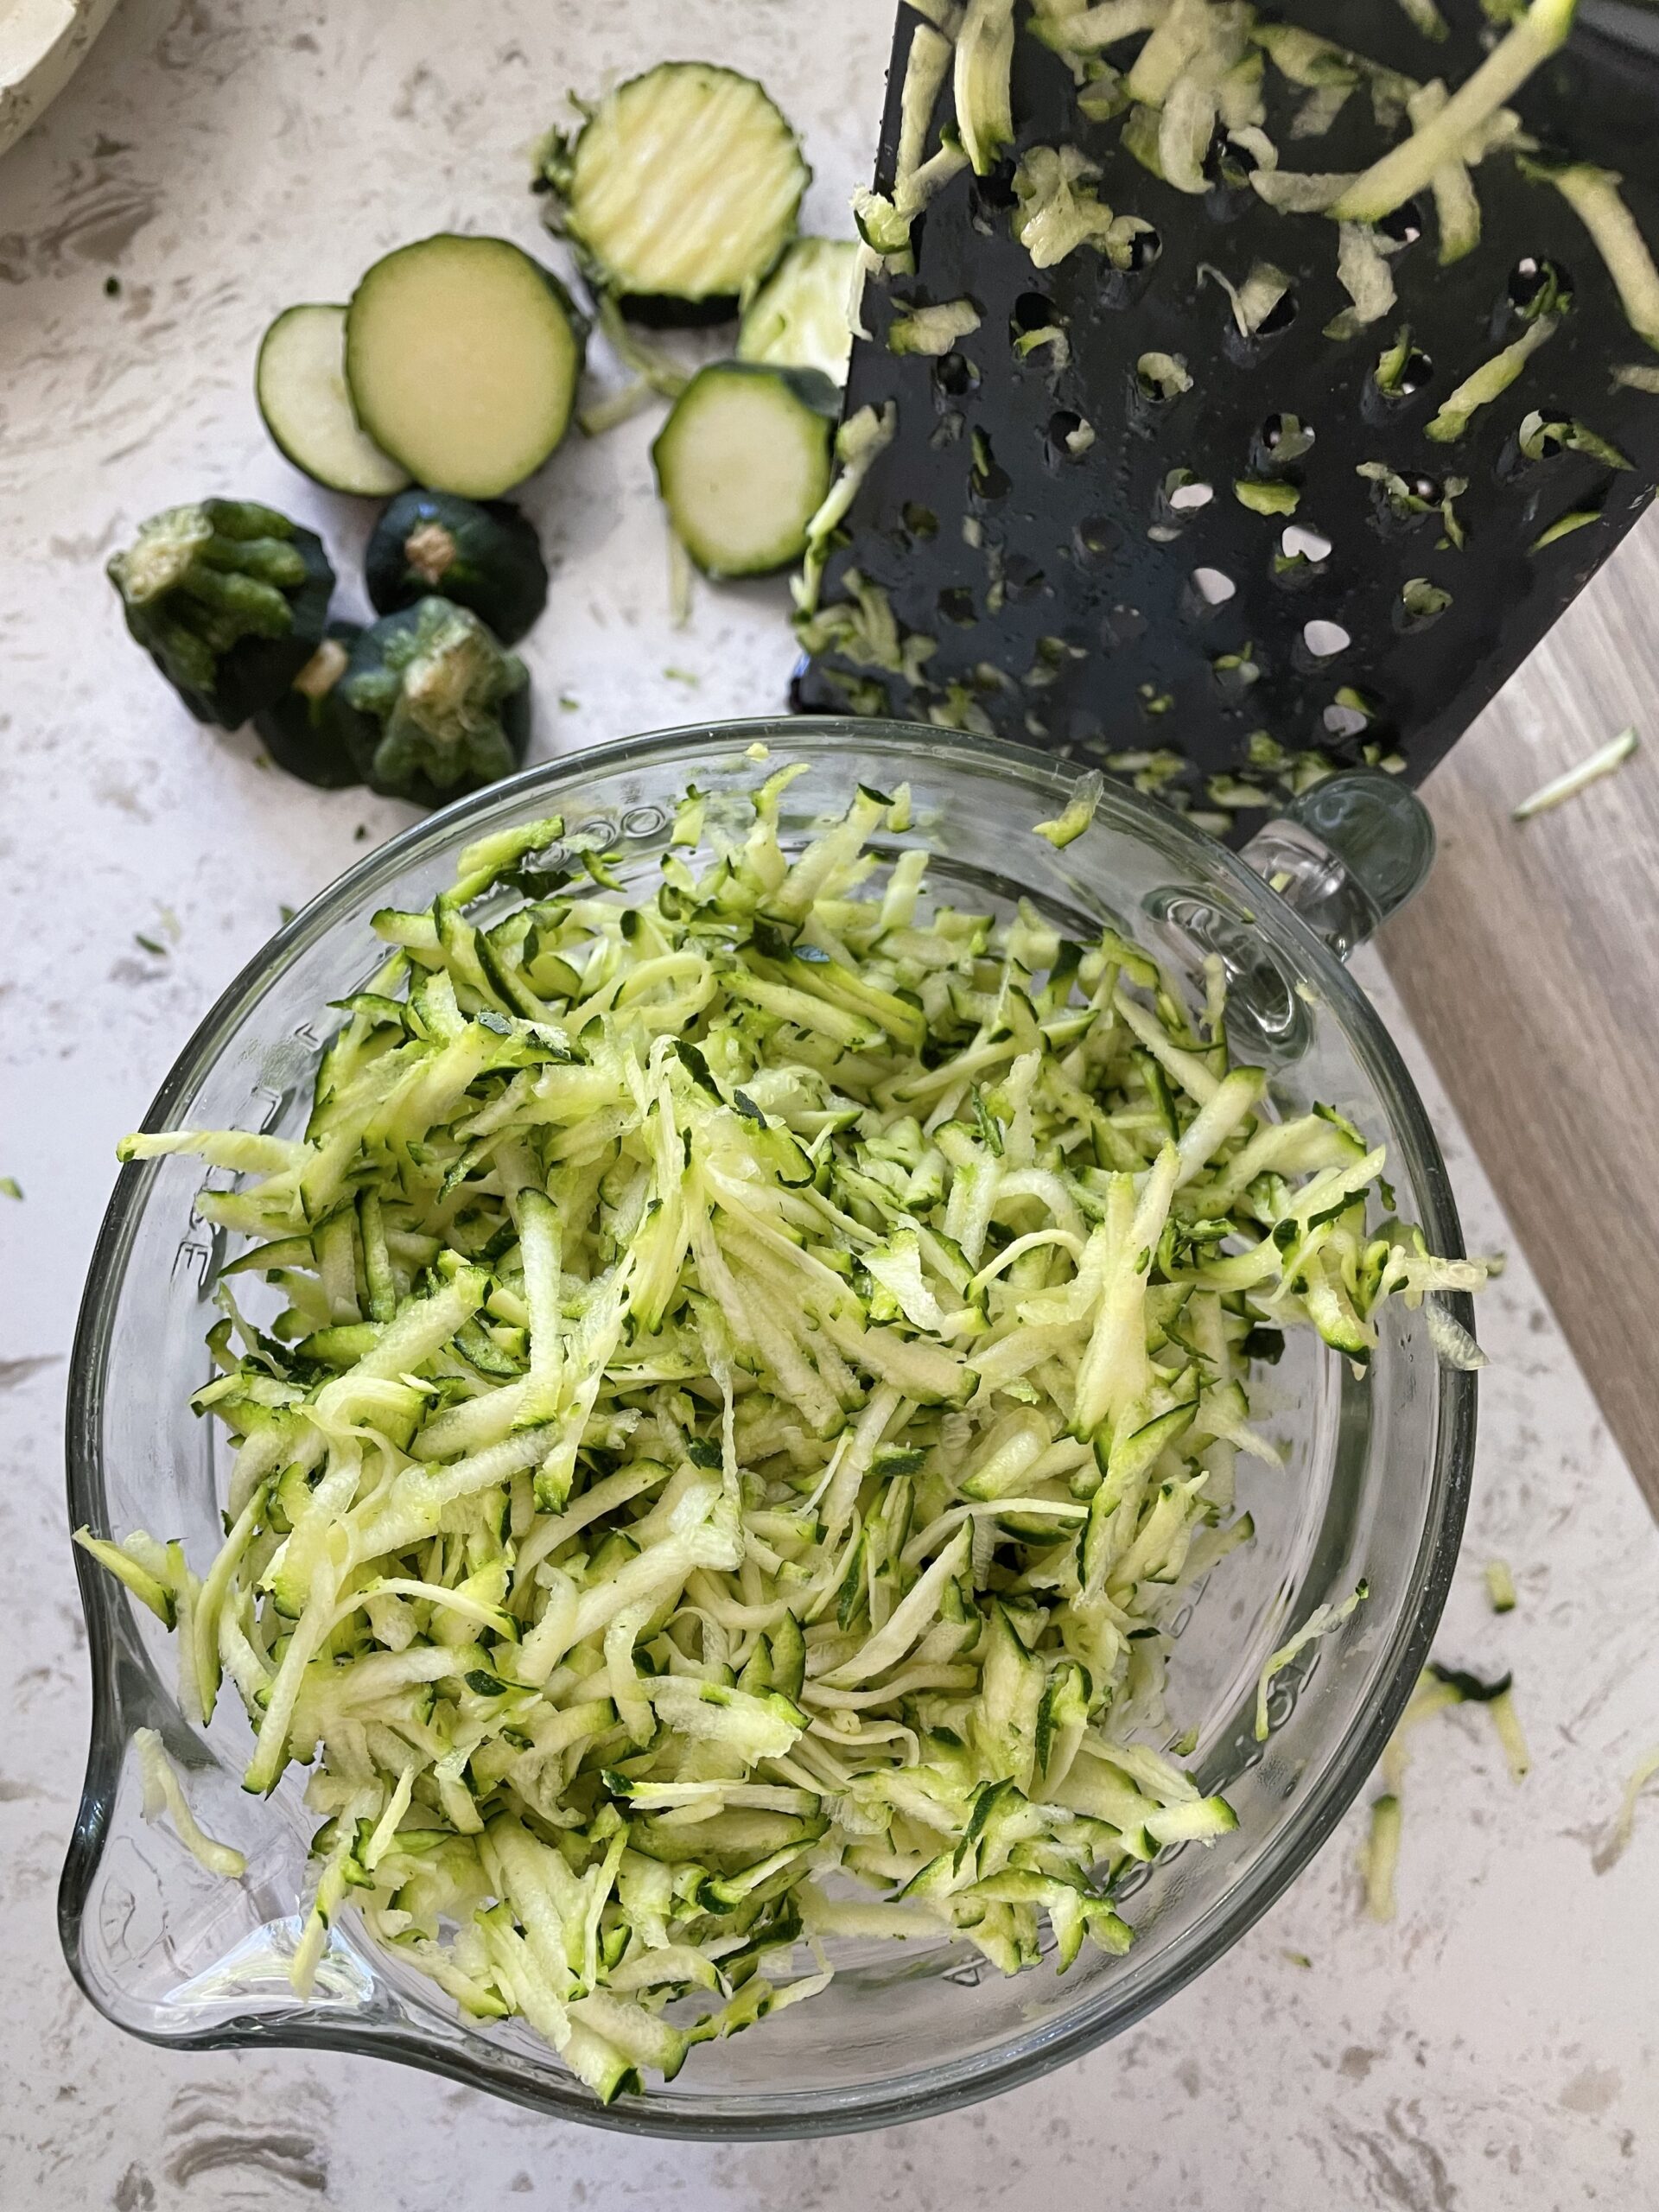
758	1368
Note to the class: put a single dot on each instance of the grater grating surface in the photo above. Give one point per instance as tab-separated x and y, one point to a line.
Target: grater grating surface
1079	619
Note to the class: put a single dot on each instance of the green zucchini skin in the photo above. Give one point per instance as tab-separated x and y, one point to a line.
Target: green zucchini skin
436	708
308	732
481	554
229	599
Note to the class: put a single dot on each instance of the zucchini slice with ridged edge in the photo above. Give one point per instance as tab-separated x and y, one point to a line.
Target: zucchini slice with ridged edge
680	191
487	557
743	464
799	318
462	357
299	383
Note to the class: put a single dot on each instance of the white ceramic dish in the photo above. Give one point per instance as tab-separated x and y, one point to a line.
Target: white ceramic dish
43	43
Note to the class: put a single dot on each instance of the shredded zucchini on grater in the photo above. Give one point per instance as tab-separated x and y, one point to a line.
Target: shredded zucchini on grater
756	1367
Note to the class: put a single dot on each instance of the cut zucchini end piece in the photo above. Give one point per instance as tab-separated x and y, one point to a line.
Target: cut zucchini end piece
680	191
462	357
487	557
308	731
743	463
434	708
299	383
799	319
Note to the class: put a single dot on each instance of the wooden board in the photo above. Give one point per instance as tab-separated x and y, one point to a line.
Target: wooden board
1530	964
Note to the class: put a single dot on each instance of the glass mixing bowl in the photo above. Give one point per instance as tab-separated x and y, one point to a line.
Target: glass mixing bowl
1375	1484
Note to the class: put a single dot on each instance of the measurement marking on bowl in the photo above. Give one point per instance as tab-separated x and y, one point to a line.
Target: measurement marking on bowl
192	1259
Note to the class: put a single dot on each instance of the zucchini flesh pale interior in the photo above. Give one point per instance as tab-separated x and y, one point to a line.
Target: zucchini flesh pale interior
743	464
463	356
683	186
759	1367
799	319
299	383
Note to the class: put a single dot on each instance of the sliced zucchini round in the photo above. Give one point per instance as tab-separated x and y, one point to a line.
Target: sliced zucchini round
462	357
799	319
299	382
743	464
487	557
680	191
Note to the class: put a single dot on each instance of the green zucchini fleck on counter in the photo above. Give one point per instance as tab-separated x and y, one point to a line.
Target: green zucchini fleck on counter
485	557
229	599
437	707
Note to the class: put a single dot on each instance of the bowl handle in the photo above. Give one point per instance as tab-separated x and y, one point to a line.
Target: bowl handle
1347	854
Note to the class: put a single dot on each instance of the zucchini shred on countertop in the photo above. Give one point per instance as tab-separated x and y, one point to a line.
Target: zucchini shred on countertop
758	1366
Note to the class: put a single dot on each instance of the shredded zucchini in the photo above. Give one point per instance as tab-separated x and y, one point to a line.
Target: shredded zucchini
1447	135
1363	274
933	329
1622	1825
1506	1723
1380	1857
1057	210
749	1371
860	440
1163	376
1500	1585
1300	192
1602	762
1319	1623
163	1793
1090	29
1487	383
1267	497
884	218
1079	813
1426	18
1593	196
1255	300
982	66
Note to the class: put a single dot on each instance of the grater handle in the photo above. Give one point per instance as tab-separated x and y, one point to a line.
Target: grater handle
1347	854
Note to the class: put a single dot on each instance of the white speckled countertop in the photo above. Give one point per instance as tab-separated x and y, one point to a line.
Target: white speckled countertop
1497	2047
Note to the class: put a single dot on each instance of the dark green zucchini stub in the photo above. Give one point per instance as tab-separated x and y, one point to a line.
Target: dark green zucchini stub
680	191
308	731
439	710
229	599
482	556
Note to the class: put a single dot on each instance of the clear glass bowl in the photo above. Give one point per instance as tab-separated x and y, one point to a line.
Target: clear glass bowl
1375	1487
